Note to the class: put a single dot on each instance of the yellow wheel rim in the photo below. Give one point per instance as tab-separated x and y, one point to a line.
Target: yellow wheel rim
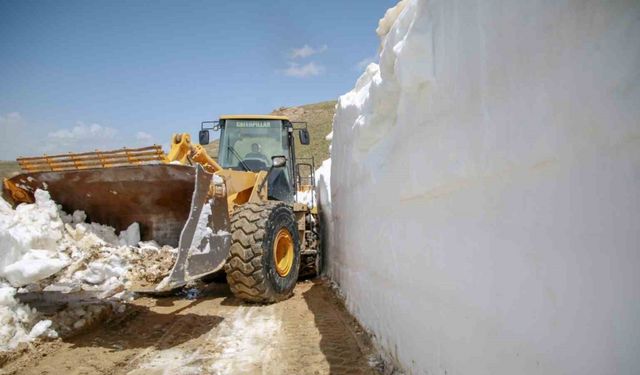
283	252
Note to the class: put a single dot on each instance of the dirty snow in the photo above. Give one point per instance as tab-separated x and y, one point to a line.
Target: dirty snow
17	320
243	343
43	249
503	140
173	361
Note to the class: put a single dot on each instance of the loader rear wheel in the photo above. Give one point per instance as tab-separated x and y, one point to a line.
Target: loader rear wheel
264	258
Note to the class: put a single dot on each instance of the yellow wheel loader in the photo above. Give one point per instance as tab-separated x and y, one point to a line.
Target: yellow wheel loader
240	213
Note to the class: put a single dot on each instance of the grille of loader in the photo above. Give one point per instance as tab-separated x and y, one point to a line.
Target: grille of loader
96	159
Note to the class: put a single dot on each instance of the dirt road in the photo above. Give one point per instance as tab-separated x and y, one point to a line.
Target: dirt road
310	333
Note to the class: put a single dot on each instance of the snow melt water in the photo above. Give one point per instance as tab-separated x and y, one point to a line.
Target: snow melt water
484	202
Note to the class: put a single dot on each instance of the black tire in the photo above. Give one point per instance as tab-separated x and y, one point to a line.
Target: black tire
250	267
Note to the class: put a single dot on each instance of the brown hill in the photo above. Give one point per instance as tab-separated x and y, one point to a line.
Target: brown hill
319	118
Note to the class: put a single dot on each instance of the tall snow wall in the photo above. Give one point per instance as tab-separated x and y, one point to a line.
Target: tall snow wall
485	188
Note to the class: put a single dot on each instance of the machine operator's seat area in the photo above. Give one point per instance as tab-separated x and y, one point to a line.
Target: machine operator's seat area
253	164
248	142
255	159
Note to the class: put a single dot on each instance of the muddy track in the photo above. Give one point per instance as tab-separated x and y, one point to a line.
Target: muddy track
310	333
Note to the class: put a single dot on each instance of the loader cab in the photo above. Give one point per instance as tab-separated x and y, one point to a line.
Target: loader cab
248	143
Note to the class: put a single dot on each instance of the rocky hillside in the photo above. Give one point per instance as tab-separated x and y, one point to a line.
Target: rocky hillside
319	117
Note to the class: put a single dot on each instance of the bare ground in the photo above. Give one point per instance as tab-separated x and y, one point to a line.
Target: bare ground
310	333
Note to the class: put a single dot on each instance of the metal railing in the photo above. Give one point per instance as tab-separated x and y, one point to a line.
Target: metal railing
305	176
96	159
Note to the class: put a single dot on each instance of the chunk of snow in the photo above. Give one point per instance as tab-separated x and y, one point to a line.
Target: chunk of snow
39	328
130	236
30	269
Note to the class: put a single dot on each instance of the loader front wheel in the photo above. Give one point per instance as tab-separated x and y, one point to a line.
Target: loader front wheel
264	258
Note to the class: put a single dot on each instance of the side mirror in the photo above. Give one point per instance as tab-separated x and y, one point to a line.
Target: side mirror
304	136
278	161
203	137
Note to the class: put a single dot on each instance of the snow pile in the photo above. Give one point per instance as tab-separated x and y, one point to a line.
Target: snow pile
42	249
323	194
323	179
485	187
29	241
17	321
307	197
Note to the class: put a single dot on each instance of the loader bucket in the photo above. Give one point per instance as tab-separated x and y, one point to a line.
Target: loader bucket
205	238
166	200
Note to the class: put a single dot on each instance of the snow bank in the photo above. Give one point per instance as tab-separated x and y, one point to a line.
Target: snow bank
42	249
484	183
323	194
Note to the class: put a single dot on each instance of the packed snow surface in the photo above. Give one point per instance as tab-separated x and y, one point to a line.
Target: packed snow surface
307	197
43	249
484	199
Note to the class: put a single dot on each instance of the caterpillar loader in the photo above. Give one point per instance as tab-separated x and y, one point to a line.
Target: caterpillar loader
239	214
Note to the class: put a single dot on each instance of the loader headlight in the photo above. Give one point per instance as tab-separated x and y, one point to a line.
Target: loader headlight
278	161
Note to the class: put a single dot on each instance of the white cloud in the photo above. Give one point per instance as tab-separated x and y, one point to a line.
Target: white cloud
82	137
362	64
11	120
302	71
20	137
144	137
306	51
83	132
308	69
15	138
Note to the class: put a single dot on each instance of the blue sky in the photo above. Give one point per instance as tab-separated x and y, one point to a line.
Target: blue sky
80	75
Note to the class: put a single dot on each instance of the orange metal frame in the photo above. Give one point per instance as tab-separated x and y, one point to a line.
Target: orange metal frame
97	159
